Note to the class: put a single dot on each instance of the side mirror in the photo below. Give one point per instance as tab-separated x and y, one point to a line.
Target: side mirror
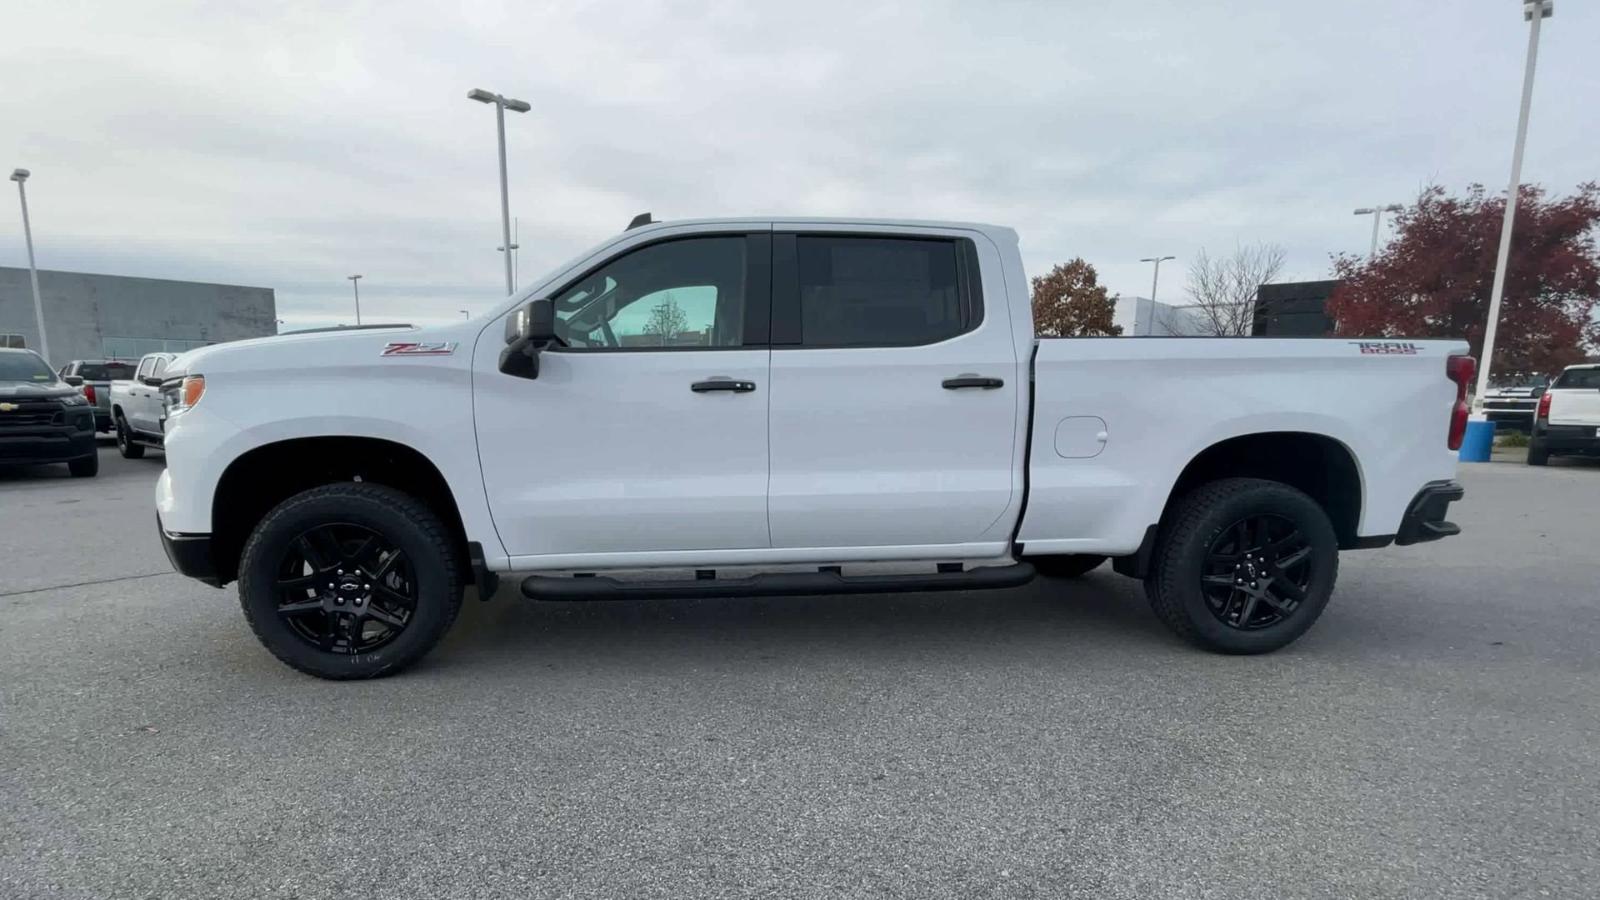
74	380
529	329
152	380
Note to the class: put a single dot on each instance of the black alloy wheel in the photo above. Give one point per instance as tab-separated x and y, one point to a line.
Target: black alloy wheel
1243	565
343	588
1257	572
350	580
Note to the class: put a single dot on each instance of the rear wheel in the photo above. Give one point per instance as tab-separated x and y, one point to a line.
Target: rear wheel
125	444
350	580
1243	565
87	467
1069	565
1537	454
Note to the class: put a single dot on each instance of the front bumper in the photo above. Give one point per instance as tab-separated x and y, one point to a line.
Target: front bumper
1424	519
50	444
190	554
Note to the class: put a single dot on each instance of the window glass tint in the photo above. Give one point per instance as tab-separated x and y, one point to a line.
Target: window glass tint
857	291
110	371
26	367
687	293
159	367
1579	378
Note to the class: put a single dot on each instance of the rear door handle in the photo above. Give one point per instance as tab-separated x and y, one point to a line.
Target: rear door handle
723	384
972	381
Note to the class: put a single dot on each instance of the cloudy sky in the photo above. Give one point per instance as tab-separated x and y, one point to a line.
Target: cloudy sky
289	144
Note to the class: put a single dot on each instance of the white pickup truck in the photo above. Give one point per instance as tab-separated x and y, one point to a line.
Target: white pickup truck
788	406
1567	420
138	406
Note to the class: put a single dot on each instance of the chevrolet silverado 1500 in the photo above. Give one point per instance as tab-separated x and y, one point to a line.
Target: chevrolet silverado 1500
744	407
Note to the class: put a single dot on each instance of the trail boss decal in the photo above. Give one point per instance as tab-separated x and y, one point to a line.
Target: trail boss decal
418	348
1388	348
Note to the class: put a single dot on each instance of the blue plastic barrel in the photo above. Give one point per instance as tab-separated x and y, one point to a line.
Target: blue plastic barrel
1479	441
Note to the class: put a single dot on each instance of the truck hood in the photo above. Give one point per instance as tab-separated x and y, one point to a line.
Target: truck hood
24	390
330	348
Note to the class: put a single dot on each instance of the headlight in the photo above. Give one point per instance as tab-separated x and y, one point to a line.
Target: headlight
179	395
75	399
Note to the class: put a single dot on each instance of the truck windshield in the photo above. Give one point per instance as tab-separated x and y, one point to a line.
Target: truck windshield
1578	379
24	367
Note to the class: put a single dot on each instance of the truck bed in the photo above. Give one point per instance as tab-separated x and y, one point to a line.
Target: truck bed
1116	421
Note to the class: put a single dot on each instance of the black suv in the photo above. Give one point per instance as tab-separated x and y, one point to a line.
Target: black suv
42	418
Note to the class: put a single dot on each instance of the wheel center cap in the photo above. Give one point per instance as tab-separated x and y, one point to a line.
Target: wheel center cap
349	585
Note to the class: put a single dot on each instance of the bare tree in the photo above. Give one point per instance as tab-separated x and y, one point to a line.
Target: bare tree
1222	291
667	320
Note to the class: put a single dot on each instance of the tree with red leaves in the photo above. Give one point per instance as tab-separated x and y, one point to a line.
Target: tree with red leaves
1434	278
1071	302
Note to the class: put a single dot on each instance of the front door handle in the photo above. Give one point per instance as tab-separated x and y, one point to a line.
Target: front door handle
972	381
723	384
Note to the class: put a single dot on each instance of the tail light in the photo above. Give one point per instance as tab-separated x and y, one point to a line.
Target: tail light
88	392
1460	369
1544	406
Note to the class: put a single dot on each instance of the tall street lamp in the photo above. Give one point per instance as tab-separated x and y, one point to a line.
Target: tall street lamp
20	176
1156	278
501	104
1534	11
355	284
516	228
1376	212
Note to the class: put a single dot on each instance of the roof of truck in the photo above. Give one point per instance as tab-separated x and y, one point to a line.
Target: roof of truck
829	220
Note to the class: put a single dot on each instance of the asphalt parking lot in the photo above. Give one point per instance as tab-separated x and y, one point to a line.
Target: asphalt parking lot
1433	736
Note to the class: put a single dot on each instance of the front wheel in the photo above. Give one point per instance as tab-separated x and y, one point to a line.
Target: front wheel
86	467
350	580
1243	565
125	444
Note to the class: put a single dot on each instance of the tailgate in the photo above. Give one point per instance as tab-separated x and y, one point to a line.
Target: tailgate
1575	406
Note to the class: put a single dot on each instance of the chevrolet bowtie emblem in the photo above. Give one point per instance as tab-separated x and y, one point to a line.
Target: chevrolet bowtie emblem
7	407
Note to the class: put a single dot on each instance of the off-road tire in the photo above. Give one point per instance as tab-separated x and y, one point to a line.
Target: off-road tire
1067	565
399	517
1186	537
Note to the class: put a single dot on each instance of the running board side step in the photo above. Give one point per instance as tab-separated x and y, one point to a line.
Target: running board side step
778	584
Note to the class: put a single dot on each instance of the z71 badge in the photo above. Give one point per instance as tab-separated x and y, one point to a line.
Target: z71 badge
419	348
1388	348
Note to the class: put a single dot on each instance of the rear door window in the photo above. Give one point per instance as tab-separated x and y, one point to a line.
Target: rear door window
863	291
1578	379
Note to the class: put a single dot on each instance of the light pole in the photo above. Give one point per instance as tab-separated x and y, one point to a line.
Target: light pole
1534	12
501	104
355	284
1377	216
20	176
516	228
1155	278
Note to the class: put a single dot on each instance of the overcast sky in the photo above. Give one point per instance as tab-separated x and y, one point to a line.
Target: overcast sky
288	144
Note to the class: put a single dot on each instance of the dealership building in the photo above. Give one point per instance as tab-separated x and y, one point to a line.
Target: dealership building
113	317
